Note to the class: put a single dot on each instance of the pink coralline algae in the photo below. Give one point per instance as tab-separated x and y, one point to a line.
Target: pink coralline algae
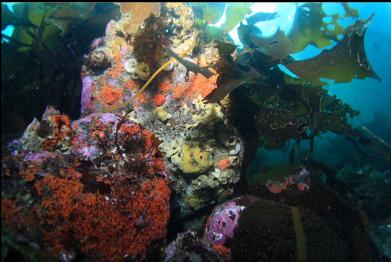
223	222
92	130
301	179
86	93
39	156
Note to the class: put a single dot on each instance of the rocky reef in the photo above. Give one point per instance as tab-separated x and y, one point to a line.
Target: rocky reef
97	185
202	151
189	246
172	114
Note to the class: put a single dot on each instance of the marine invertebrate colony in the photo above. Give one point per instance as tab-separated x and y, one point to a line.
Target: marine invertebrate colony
107	197
300	179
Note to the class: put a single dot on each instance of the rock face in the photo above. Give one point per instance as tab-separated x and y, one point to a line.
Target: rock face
97	187
189	247
223	222
100	186
202	151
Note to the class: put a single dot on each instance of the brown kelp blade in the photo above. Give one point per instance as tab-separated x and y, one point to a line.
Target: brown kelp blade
223	90
346	61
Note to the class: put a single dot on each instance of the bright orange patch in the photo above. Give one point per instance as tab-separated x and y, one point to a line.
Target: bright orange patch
221	249
116	71
131	84
118	68
202	85
179	91
117	58
142	99
164	86
224	164
159	99
110	95
131	129
62	120
198	85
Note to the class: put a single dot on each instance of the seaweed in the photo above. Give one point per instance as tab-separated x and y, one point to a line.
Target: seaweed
41	63
210	12
347	60
309	27
278	45
234	14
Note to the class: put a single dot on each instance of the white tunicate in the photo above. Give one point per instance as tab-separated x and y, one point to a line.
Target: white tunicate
130	65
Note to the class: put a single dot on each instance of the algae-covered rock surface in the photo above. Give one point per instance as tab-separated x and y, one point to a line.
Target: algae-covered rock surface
189	132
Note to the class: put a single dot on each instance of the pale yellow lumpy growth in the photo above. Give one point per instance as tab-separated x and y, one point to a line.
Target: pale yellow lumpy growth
206	114
194	160
162	114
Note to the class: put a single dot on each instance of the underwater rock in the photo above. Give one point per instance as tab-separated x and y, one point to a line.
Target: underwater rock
193	153
291	226
194	160
370	188
380	234
189	247
162	114
53	133
30	139
223	222
195	136
210	55
109	186
270	231
329	223
180	24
